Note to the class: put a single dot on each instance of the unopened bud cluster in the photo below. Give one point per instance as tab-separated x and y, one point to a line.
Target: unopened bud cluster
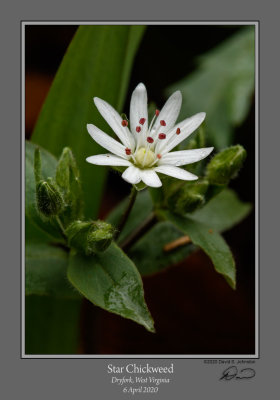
90	237
225	165
188	197
60	195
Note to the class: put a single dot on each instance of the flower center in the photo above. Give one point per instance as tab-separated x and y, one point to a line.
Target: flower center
144	157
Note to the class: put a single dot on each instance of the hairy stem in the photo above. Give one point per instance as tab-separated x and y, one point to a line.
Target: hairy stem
125	216
146	225
61	226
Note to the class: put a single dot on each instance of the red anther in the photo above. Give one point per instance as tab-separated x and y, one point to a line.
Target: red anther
150	139
159	156
128	151
142	121
162	136
124	122
138	129
178	131
162	123
157	113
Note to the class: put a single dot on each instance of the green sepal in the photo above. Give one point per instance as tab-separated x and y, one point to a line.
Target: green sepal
140	186
225	165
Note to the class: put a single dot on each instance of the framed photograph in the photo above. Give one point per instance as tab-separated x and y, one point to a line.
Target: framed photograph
141	206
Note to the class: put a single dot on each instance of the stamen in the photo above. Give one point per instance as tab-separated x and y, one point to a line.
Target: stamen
142	121
157	113
159	156
178	131
162	136
124	122
162	123
128	151
150	139
138	129
151	123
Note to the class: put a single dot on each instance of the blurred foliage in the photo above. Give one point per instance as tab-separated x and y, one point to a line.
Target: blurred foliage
222	85
97	63
51	325
45	271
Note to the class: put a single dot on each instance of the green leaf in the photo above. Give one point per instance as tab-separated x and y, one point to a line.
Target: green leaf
148	253
142	208
210	241
223	211
68	179
34	220
111	281
222	86
51	325
46	271
97	63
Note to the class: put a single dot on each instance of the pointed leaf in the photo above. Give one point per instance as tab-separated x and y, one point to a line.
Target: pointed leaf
210	241
223	211
111	281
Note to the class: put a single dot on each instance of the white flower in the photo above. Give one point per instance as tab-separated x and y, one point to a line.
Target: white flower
145	149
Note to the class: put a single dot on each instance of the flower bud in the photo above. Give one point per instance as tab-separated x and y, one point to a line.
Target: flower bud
90	237
49	199
189	197
225	165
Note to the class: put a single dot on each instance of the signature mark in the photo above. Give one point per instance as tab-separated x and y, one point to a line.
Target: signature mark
233	373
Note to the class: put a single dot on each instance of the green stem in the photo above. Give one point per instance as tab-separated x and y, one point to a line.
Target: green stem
58	220
125	216
146	225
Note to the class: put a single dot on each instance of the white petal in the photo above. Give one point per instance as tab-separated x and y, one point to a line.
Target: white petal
132	175
106	141
176	172
185	157
108	159
187	127
113	118
150	178
138	109
169	113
